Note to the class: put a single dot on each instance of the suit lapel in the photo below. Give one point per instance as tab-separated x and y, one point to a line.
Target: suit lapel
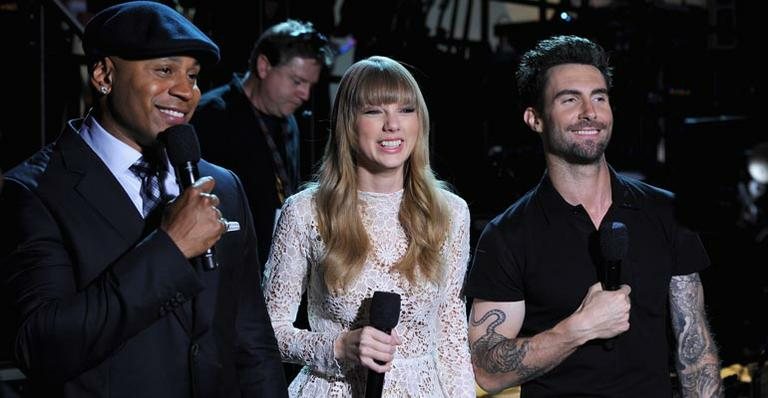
98	188
105	212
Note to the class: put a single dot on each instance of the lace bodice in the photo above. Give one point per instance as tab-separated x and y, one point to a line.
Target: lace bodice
432	361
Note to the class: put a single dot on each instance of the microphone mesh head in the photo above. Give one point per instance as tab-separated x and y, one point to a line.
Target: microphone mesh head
181	144
614	241
385	310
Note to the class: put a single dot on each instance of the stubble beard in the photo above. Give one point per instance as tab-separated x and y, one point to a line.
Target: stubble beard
581	153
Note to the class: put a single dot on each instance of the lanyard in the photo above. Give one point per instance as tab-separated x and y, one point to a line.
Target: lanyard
283	183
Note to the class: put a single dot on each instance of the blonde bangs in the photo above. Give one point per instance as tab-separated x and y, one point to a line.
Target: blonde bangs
385	87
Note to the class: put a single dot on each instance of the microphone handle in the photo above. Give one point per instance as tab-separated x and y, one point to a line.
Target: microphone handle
208	260
187	175
612	276
374	384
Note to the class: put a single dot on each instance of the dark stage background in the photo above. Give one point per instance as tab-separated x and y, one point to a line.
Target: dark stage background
687	98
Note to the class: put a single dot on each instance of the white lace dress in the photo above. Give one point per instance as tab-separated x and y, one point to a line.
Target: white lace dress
432	361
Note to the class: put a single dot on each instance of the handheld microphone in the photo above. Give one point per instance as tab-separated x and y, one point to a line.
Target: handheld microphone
385	313
614	243
183	151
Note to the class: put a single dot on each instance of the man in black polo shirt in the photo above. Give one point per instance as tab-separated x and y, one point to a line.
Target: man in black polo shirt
540	317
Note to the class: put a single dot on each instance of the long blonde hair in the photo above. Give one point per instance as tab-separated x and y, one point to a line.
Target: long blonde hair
423	214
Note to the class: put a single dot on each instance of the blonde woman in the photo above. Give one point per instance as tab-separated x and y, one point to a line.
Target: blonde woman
375	219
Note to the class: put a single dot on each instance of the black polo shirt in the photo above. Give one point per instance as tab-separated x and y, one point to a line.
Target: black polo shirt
546	252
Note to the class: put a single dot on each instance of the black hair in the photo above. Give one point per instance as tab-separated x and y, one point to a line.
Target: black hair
532	73
289	39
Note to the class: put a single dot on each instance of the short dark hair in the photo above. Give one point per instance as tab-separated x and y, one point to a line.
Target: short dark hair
557	50
289	39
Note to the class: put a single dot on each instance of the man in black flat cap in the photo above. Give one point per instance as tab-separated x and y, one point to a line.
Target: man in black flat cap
106	299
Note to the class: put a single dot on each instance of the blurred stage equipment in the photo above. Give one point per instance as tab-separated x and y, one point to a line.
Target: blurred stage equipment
752	191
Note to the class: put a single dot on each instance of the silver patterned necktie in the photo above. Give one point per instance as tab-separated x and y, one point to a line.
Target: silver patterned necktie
150	185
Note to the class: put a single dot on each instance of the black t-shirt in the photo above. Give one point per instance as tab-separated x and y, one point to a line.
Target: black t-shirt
546	252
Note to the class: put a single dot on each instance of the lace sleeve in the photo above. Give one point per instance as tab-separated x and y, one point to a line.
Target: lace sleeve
285	280
454	362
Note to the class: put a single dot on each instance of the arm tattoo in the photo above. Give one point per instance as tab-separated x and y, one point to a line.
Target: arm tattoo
697	361
497	354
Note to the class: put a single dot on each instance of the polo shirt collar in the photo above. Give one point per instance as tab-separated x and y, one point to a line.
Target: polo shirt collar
553	203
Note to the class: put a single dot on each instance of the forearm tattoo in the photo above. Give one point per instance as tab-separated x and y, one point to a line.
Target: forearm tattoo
495	353
697	361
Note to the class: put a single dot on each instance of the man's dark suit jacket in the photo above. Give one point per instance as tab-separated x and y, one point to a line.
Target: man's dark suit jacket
109	307
230	136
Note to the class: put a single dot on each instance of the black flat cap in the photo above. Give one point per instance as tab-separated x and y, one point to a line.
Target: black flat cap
144	30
